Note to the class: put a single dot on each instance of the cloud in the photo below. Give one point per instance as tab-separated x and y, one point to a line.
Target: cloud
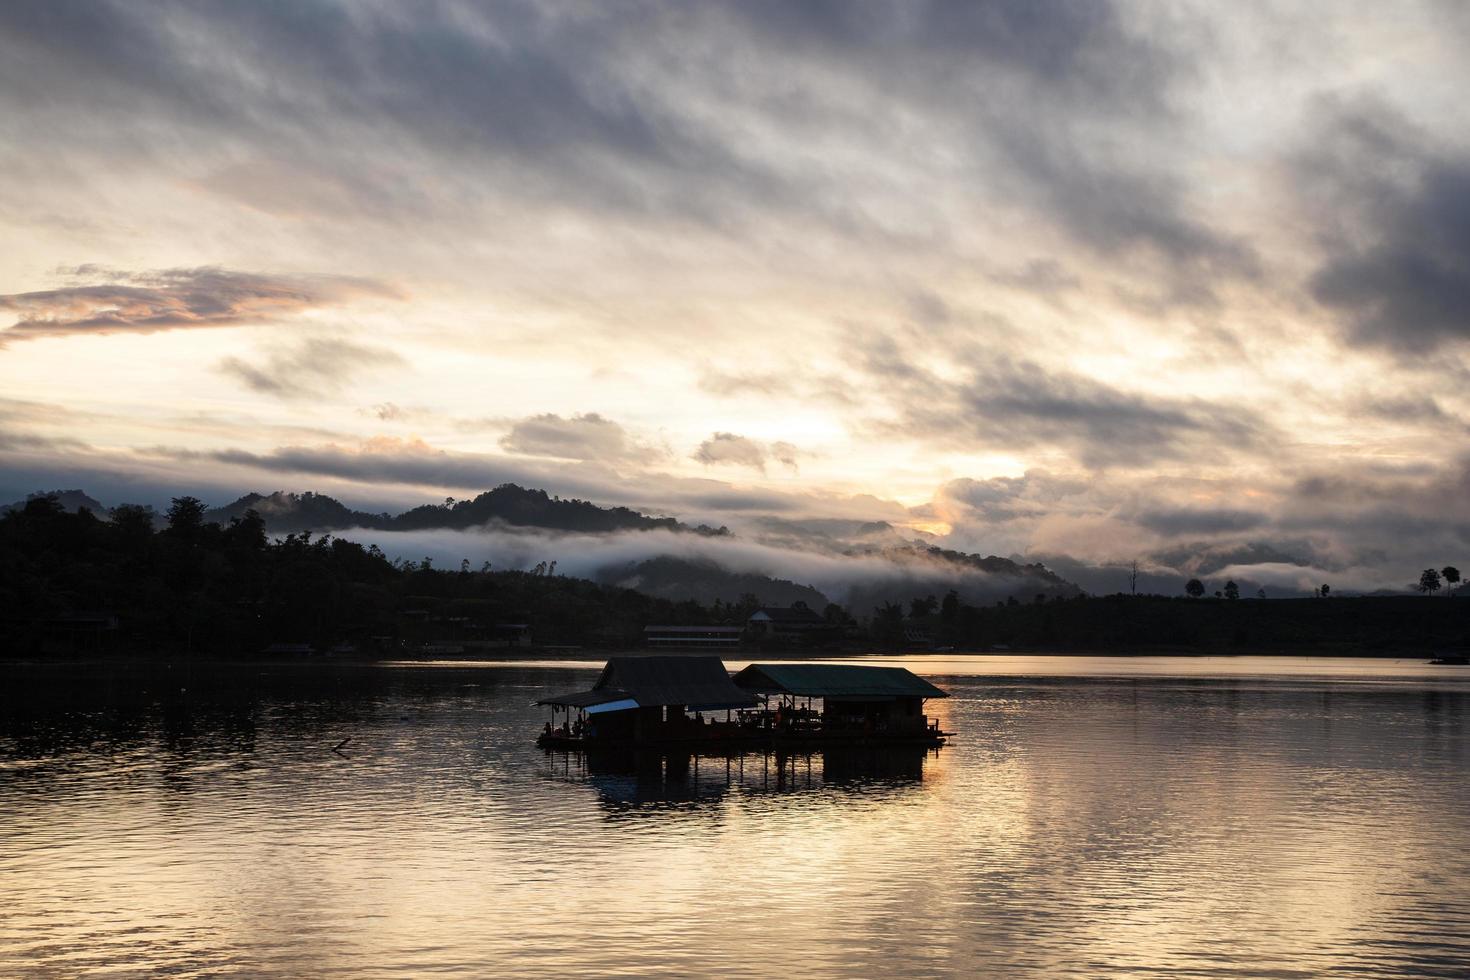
993	401
1396	231
172	299
311	367
1005	498
729	449
384	465
840	577
702	115
1175	521
581	437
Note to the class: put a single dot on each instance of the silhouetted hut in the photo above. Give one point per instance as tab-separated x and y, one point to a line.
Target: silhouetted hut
858	702
648	699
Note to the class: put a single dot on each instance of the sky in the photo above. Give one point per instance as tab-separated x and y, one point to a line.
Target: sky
1179	283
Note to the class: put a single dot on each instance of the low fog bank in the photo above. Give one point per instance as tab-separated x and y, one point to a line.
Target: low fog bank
858	582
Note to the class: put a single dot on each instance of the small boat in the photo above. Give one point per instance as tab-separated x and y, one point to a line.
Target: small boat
1452	660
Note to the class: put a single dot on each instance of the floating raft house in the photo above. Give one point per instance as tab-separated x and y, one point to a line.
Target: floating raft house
645	700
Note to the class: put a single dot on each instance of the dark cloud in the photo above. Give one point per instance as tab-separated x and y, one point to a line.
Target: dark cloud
1194	520
526	93
729	449
1082	50
1393	211
1007	498
1055	99
172	299
312	367
1408	409
1004	403
1066	108
581	437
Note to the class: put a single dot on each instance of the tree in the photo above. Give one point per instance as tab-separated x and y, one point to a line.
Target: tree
1451	576
134	523
1194	588
919	608
1232	591
836	615
949	609
1325	591
186	516
1428	581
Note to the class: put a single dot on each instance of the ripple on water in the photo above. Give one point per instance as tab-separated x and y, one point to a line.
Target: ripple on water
1082	825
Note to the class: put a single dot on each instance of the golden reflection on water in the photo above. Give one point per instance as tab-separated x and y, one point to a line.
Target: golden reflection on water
1081	824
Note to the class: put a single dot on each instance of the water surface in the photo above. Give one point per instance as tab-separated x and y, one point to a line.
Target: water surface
1097	816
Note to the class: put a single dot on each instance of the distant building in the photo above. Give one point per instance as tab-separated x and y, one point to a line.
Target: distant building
917	637
778	620
793	625
692	636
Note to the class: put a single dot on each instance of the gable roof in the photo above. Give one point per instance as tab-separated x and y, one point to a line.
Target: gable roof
836	680
698	682
693	681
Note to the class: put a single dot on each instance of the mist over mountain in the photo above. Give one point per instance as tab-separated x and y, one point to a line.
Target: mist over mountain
859	564
705	581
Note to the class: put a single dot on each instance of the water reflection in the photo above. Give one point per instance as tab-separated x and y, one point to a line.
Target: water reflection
195	821
631	778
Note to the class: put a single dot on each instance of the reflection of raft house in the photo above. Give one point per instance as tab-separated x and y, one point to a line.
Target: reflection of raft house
664	700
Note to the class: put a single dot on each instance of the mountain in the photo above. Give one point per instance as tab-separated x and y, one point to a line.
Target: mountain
518	506
705	581
919	570
70	500
507	504
293	512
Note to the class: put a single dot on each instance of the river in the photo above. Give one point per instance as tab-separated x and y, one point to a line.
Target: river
1252	817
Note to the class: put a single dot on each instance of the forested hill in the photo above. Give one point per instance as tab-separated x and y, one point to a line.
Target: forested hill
72	581
704	581
508	504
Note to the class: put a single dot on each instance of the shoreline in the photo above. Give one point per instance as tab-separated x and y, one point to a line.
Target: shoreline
599	654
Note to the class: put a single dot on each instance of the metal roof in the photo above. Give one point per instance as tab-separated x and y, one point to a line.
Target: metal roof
693	681
836	680
585	699
696	681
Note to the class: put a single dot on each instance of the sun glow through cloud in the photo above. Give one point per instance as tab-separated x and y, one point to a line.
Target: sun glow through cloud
1065	271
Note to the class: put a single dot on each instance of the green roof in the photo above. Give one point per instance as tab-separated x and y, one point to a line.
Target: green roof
836	681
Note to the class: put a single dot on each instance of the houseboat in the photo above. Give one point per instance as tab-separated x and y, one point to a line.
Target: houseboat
692	701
